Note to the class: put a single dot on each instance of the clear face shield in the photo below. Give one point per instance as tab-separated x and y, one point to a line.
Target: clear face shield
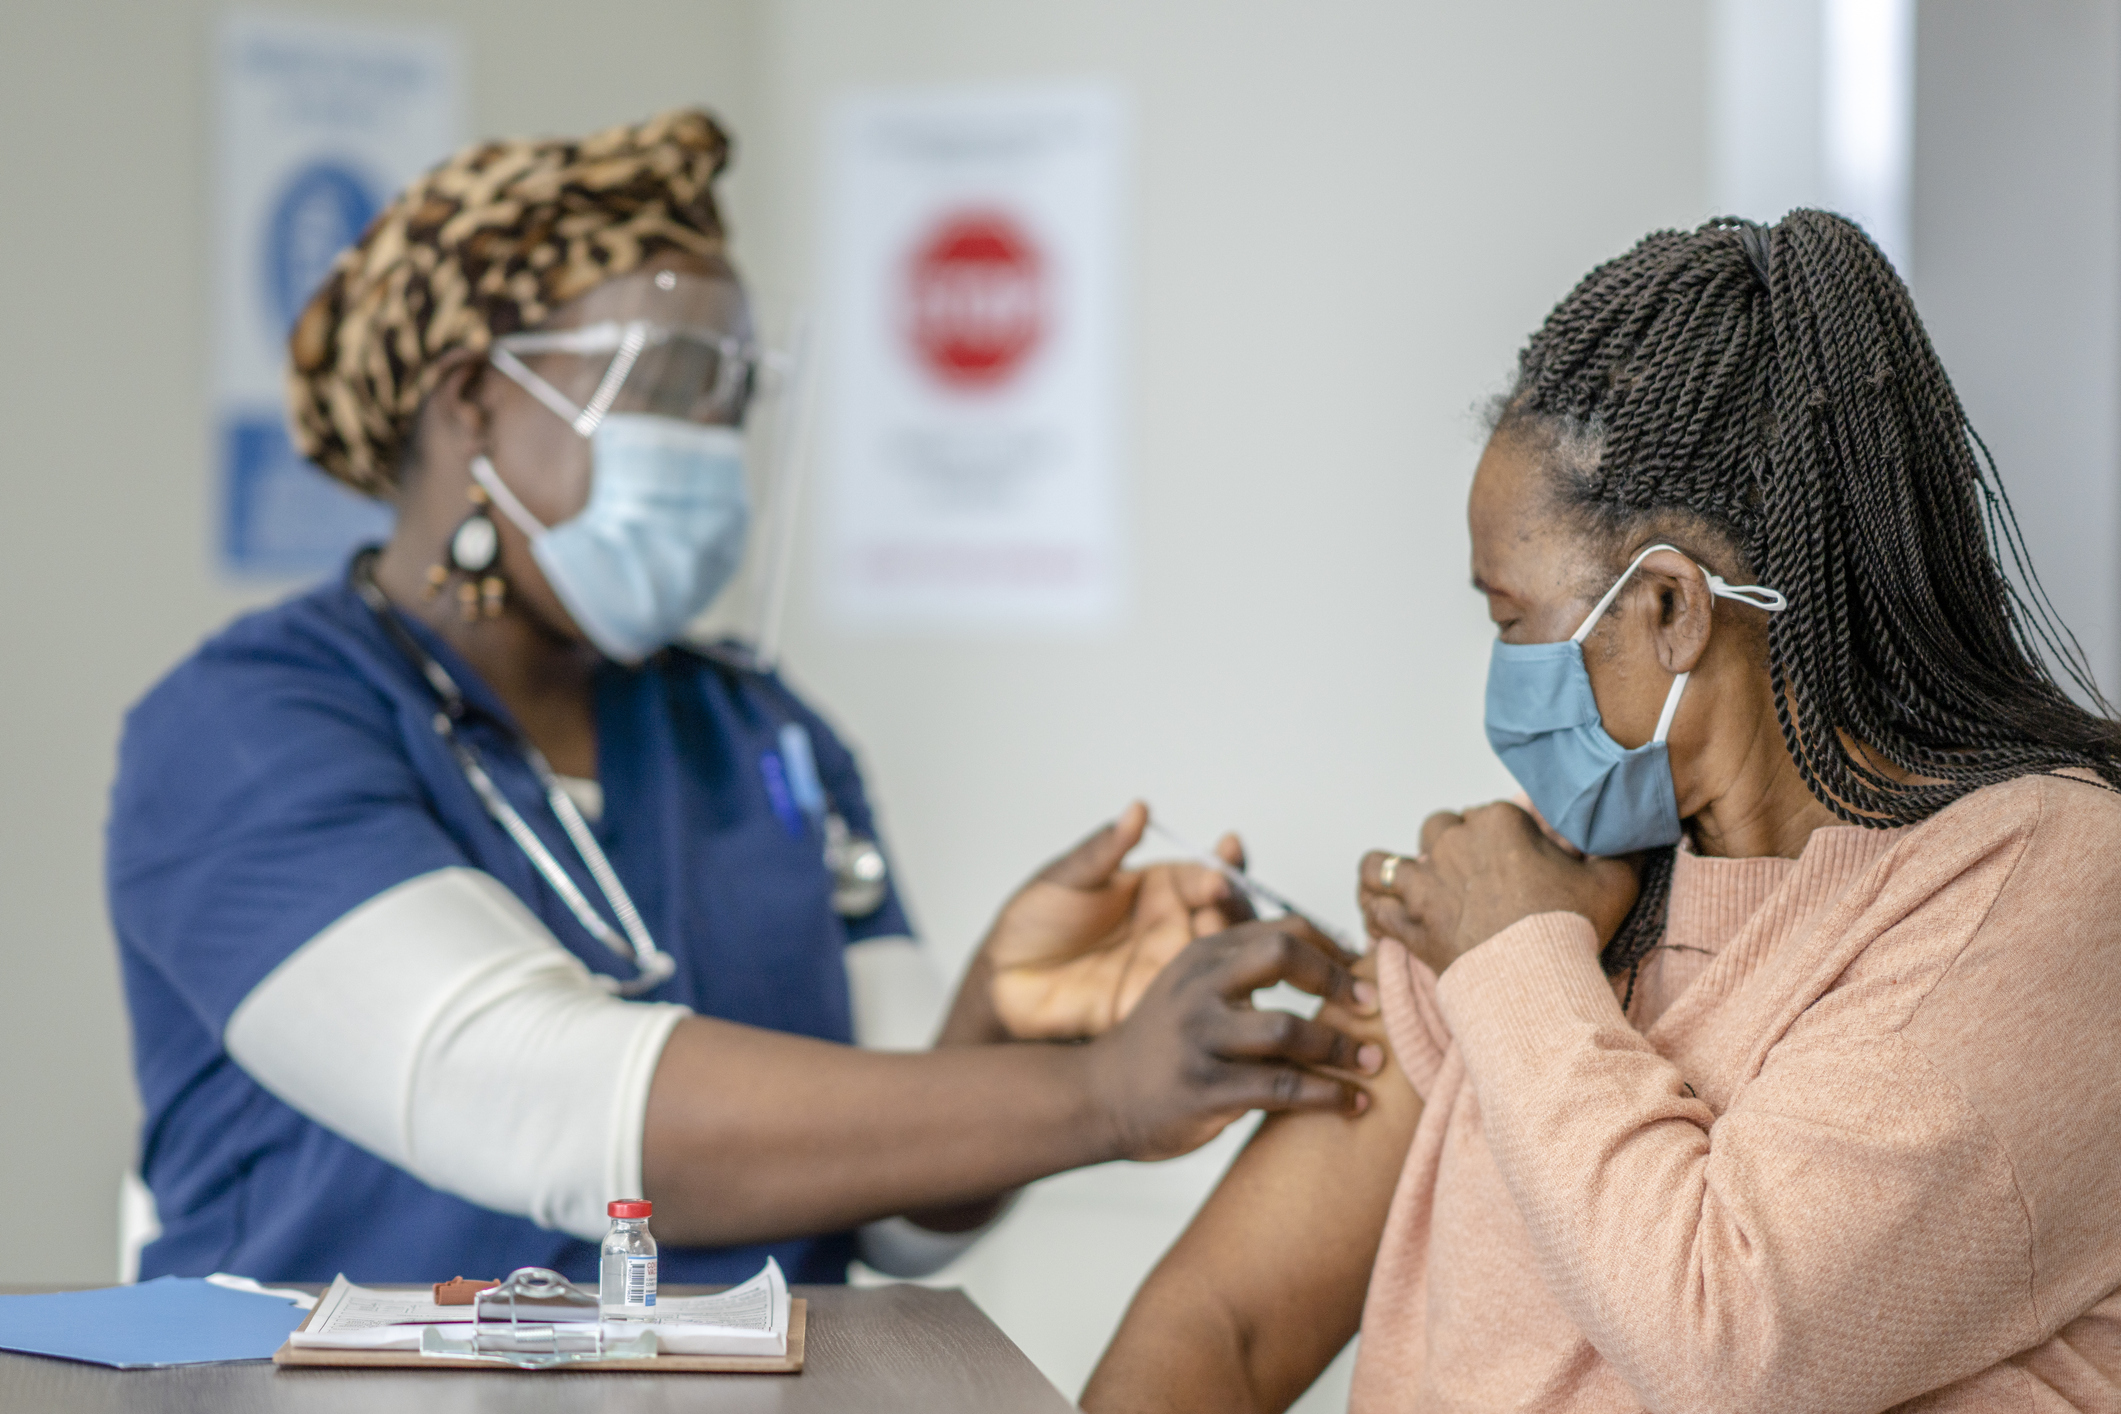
684	347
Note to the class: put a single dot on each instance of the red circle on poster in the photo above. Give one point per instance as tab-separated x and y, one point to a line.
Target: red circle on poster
977	297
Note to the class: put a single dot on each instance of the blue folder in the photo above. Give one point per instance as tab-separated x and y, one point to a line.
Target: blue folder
167	1321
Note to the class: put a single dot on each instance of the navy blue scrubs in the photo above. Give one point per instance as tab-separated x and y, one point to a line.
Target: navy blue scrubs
288	772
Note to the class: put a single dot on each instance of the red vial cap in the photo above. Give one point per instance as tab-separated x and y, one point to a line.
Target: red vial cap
637	1208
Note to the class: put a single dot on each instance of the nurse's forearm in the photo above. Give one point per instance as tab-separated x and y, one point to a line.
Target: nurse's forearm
973	1021
754	1134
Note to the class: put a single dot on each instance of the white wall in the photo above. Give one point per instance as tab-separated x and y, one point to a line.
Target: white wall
1344	219
1812	104
1767	118
2011	204
2017	201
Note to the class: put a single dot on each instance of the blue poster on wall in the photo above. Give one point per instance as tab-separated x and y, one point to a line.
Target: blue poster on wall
319	123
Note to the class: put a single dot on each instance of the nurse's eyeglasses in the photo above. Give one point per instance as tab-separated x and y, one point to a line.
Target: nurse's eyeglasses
701	375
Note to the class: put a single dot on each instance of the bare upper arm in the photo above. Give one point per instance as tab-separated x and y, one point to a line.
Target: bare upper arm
1266	1284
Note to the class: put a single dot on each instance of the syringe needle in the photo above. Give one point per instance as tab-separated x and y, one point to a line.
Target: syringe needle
1252	887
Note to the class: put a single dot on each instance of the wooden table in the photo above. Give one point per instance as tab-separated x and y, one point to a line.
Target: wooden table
878	1350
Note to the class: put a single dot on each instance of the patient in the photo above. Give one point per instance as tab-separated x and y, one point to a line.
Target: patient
1780	1070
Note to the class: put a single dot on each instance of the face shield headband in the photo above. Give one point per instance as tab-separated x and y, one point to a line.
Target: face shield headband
692	462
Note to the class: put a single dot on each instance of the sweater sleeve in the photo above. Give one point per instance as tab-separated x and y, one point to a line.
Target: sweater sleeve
1851	1232
1412	1023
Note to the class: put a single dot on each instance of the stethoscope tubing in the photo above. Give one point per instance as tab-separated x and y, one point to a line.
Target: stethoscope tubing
654	966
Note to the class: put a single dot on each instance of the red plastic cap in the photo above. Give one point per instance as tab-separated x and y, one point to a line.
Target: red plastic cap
637	1208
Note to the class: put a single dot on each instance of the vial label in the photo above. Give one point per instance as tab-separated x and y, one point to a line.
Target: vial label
640	1281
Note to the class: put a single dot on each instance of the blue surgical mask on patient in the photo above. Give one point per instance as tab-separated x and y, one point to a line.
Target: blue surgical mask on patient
662	533
1543	721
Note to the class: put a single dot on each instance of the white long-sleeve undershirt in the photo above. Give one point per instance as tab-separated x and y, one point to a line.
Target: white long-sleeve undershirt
442	1027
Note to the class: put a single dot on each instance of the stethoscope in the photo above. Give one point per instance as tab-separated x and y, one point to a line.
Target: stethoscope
860	872
653	966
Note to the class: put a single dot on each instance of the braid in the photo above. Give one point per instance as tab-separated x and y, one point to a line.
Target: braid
1772	394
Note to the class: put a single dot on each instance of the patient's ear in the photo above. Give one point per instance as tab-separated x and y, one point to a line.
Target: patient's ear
1680	609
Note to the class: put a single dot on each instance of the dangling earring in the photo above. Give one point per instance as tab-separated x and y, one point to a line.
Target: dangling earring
474	549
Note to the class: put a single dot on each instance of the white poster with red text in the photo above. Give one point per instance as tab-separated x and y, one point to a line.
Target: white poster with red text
971	471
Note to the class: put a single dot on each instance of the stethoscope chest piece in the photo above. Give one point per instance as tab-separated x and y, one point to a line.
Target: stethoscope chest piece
860	874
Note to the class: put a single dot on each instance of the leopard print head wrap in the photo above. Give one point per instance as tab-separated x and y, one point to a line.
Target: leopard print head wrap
490	242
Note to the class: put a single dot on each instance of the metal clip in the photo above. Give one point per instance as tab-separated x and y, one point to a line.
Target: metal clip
537	1319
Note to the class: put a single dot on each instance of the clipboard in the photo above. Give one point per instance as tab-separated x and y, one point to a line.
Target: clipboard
289	1356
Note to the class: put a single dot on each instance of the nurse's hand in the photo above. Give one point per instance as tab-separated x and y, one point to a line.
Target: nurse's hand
1077	947
1195	1054
1480	872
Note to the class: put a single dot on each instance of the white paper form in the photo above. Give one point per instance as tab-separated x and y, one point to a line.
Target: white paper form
751	1319
350	1317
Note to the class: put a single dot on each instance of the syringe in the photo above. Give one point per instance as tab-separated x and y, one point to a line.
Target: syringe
1252	888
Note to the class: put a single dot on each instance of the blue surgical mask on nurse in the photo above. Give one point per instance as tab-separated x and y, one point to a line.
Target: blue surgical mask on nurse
1543	721
661	536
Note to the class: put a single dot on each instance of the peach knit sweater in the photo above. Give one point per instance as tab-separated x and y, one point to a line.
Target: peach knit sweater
1858	1145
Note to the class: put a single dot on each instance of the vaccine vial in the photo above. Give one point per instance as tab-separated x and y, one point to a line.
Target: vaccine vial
626	1281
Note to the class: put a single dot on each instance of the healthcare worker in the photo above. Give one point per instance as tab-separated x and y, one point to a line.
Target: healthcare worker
455	899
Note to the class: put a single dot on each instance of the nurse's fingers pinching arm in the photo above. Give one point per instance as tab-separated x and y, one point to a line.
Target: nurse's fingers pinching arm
1293	1227
1284	1036
1196	1055
752	1135
1290	950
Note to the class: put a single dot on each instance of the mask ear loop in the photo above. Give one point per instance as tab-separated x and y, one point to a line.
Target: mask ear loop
482	472
533	383
1583	630
1759	596
1671	709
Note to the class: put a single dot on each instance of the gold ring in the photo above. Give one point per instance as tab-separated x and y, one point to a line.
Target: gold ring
1387	870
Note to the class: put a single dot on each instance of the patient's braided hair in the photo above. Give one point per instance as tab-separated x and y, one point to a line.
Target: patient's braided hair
1767	399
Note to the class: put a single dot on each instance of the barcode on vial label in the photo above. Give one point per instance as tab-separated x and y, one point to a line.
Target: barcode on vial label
640	1281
